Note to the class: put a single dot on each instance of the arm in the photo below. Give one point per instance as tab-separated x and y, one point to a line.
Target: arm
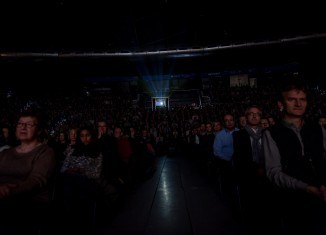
217	147
72	165
5	190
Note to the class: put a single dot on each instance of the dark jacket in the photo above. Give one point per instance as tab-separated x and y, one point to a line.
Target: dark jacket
310	167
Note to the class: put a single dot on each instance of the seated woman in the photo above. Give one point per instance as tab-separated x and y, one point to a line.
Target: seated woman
25	171
81	172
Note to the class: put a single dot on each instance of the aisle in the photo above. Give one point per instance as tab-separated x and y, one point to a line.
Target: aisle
177	200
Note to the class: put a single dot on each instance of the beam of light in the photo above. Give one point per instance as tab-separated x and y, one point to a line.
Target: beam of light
150	71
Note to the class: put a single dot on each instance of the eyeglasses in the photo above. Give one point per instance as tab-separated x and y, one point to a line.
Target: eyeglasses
28	125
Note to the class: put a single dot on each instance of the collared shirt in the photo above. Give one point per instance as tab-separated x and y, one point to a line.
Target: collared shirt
223	144
259	159
296	131
252	139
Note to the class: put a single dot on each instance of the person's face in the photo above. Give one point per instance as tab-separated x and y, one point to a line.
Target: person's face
217	126
271	121
202	127
229	122
209	128
62	137
294	103
253	117
264	123
85	137
242	121
322	122
117	133
102	127
5	132
26	129
73	134
144	133
132	131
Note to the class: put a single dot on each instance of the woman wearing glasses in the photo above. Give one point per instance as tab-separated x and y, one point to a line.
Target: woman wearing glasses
25	171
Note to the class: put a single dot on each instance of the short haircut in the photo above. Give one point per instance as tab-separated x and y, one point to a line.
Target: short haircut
41	120
253	106
292	84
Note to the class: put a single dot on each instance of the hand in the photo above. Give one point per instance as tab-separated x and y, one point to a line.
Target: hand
318	192
5	189
99	135
74	170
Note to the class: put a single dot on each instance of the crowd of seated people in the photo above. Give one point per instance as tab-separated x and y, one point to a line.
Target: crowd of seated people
101	168
104	144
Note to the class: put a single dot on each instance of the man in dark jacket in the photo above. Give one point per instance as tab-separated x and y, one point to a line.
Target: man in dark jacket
253	185
294	161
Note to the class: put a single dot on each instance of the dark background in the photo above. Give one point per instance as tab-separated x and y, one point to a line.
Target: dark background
53	40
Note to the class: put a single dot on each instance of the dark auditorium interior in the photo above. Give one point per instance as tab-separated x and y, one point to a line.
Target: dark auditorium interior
164	68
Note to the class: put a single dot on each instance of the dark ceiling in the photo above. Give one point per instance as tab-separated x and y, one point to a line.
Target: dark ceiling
80	36
106	26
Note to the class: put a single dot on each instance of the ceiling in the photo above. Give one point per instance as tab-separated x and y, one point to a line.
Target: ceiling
109	26
102	38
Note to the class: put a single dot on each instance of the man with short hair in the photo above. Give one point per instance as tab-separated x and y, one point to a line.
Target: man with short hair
253	185
223	151
294	161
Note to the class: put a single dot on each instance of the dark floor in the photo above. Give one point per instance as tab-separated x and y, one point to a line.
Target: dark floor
178	199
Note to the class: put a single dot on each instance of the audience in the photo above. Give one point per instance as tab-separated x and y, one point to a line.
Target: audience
130	137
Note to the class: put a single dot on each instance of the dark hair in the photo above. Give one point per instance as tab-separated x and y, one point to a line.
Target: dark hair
86	127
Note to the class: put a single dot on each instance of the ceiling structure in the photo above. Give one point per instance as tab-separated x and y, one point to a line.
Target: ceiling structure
109	26
111	38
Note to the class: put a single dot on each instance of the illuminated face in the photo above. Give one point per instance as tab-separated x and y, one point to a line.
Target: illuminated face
217	126
242	121
102	127
253	116
85	137
264	123
73	135
26	129
229	122
294	103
